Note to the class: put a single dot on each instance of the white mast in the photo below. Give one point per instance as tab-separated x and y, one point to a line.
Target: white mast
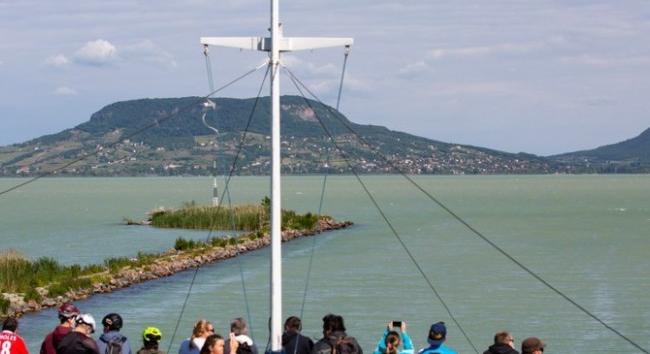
275	45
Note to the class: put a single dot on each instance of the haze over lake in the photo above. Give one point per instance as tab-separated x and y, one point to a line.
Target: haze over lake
587	235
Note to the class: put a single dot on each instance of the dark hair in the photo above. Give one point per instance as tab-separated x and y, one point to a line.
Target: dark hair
238	326
10	324
392	342
293	323
332	323
501	337
151	342
210	342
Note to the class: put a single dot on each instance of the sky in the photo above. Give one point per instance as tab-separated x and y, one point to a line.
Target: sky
534	76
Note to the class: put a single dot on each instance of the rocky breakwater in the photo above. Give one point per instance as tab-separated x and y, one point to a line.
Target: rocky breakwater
166	264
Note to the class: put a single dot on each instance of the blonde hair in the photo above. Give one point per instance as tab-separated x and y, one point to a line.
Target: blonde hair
200	328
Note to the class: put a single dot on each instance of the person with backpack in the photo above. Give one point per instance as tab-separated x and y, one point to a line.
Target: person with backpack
391	340
293	341
437	336
112	341
504	343
239	328
79	341
67	315
151	337
335	340
201	331
10	341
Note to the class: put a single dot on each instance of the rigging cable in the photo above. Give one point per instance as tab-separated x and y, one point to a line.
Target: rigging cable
219	206
155	123
431	197
383	215
322	193
208	68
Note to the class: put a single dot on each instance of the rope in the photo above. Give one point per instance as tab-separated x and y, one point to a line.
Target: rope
322	193
155	123
208	67
219	206
337	115
313	242
383	215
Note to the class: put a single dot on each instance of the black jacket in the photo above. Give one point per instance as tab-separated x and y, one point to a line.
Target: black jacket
500	349
326	344
296	343
77	343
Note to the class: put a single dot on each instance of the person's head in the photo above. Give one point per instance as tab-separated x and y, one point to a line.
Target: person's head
333	323
437	334
504	338
293	324
112	322
10	324
238	326
67	313
151	336
202	329
532	345
392	342
85	323
214	344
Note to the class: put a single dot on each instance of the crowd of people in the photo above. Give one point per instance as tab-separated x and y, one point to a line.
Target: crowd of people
74	333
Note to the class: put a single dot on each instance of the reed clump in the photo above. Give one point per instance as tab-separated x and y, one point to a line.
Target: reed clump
239	218
21	275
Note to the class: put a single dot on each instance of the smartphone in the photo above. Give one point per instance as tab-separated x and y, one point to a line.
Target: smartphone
397	324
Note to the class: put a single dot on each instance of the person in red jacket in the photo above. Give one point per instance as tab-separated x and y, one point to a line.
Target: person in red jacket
67	315
10	342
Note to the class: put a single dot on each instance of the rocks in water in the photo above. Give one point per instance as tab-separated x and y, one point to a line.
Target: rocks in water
168	263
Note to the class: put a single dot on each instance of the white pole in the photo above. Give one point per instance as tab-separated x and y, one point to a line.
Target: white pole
276	207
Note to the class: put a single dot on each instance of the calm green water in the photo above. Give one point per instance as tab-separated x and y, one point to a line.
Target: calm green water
587	235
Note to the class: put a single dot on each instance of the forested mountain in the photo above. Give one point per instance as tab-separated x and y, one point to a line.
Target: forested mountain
632	155
107	146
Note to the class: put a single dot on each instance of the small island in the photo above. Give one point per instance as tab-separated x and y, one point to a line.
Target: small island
29	286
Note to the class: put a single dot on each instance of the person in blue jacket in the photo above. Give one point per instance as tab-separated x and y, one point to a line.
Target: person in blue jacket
391	340
437	336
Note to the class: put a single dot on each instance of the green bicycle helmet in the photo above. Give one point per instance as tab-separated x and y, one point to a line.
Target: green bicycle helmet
151	334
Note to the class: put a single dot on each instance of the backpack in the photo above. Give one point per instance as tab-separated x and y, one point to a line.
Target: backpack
344	345
114	346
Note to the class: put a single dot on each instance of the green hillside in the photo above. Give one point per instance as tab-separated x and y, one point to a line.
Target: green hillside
632	155
184	146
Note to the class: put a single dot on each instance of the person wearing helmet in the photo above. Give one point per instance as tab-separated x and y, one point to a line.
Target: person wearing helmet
79	341
151	336
112	341
67	314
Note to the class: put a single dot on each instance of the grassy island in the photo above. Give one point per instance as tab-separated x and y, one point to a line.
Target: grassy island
239	217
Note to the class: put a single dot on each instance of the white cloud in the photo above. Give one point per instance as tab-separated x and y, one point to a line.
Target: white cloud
311	69
64	91
57	60
99	52
505	48
606	62
148	51
478	88
414	69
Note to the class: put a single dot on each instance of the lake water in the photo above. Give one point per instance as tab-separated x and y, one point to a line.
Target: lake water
587	235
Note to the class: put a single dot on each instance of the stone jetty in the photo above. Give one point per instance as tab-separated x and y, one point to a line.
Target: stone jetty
168	263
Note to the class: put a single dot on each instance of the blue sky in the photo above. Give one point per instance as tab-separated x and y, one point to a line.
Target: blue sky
536	76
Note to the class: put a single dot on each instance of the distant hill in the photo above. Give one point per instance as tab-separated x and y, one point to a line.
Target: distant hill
182	145
632	155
